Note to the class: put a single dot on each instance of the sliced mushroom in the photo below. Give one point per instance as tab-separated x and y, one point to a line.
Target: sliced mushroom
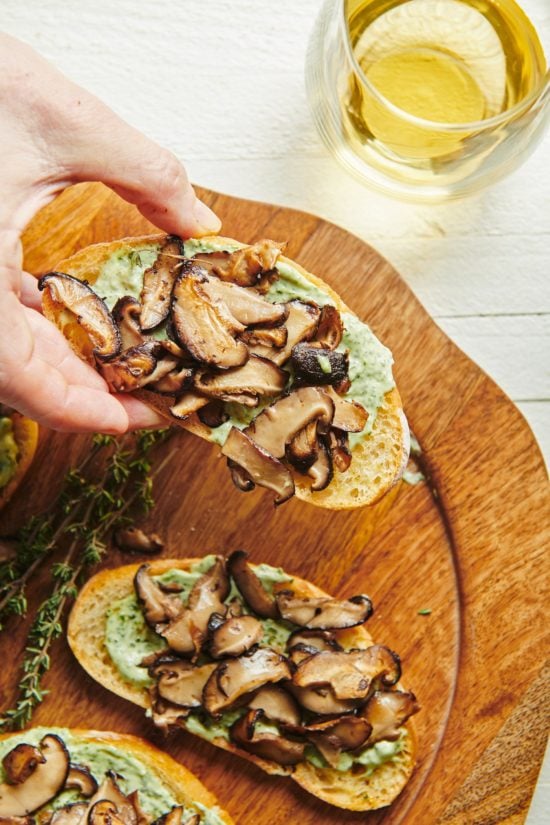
173	382
276	704
164	714
266	336
235	636
337	736
246	305
203	325
110	792
276	426
303	449
187	632
323	613
266	745
134	540
386	711
133	368
250	586
349	416
331	329
143	818
173	817
126	314
321	700
243	266
321	472
187	404
316	366
104	812
42	785
338	444
301	325
90	310
300	652
257	378
213	414
240	477
158	606
158	281
261	467
350	675
80	778
235	679
20	762
317	639
180	683
72	814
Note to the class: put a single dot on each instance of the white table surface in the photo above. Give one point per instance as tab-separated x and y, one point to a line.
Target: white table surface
221	83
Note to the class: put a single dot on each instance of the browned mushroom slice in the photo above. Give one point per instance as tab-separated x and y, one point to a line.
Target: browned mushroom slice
187	632
338	444
386	711
158	606
262	468
276	704
300	652
40	786
235	636
165	715
321	700
321	472
203	325
266	745
350	675
131	369
104	812
213	414
337	736
258	377
180	683
91	312
250	586
301	324
187	404
323	612
316	366
110	792
246	305
73	814
158	281
126	314
235	679
20	762
276	426
349	416
134	540
266	336
243	266
174	817
143	818
80	778
174	382
318	639
331	329
303	449
240	477
194	819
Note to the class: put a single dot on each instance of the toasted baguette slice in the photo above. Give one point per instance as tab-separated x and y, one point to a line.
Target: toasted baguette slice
175	780
25	433
378	460
86	637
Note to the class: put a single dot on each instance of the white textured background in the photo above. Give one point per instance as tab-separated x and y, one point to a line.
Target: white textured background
220	82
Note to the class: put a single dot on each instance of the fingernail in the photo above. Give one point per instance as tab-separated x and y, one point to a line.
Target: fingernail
208	220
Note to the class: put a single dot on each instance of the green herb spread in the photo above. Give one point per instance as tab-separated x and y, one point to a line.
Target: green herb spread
8	451
370	362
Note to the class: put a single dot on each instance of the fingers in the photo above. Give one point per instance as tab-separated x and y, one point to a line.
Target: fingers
30	294
140	416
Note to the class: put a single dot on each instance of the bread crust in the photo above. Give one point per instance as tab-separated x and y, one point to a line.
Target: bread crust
85	634
378	462
25	433
182	784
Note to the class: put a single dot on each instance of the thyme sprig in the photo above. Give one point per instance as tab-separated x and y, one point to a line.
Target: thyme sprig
91	507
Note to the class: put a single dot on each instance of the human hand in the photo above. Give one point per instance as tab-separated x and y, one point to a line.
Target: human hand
54	134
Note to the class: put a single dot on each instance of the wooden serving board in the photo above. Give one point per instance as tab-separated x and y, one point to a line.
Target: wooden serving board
469	545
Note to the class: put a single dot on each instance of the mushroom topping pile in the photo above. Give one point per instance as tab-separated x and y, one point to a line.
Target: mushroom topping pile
227	343
36	776
271	667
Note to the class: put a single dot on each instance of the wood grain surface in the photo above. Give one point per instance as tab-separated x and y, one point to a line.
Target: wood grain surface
469	544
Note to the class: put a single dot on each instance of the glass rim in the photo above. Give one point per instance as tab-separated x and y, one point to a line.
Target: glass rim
472	125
